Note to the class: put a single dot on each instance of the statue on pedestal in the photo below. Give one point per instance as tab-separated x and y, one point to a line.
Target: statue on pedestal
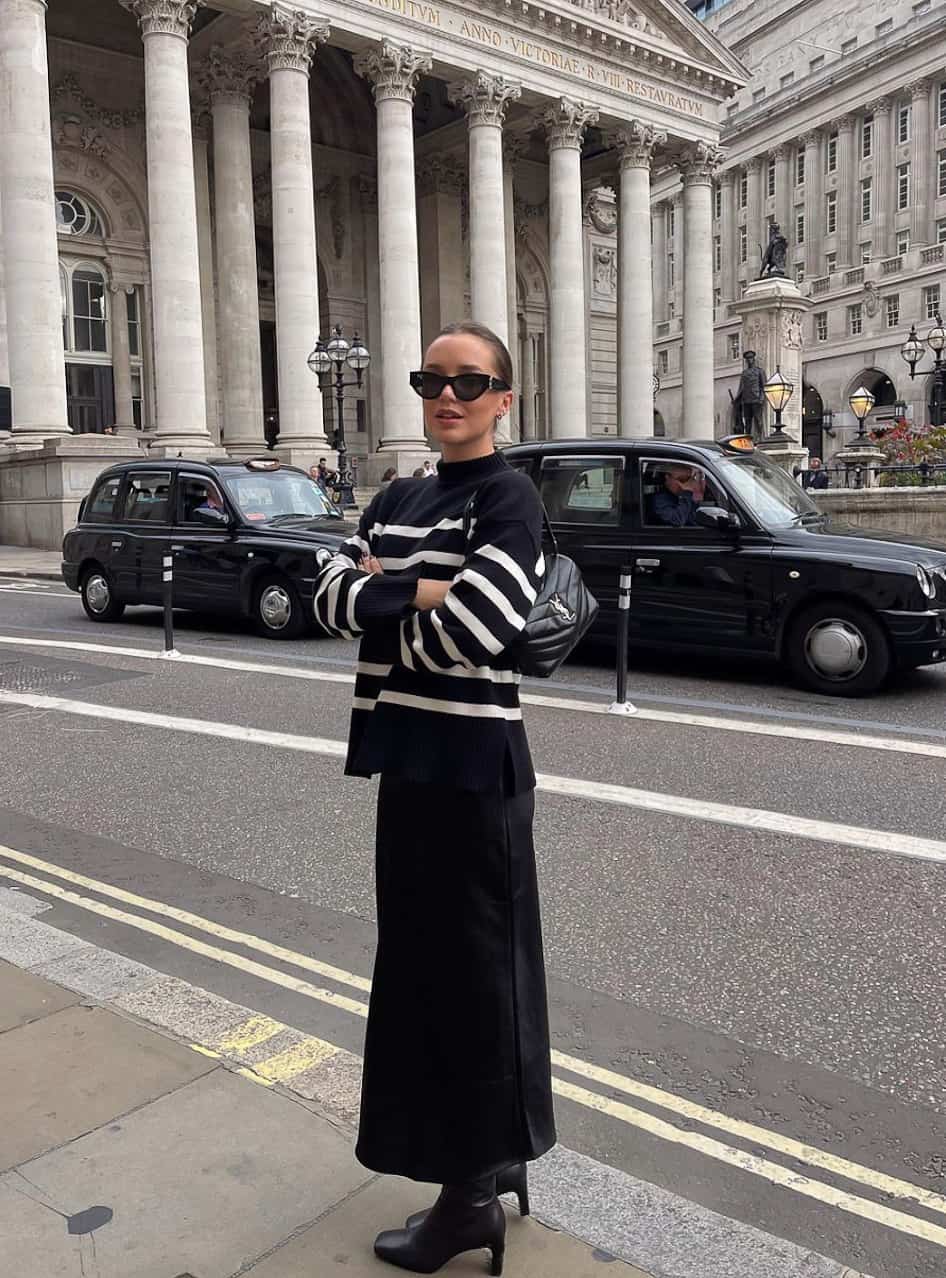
750	398
773	259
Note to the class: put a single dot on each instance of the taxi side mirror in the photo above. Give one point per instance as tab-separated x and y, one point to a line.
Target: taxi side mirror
211	518
716	518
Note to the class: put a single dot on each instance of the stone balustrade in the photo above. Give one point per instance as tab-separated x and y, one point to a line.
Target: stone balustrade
916	512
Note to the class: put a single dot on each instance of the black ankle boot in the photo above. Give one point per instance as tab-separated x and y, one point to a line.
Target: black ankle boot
463	1218
511	1180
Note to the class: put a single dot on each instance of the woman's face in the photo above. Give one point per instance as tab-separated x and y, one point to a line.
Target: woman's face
463	429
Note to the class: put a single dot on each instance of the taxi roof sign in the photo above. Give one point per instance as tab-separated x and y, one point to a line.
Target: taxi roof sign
741	443
263	463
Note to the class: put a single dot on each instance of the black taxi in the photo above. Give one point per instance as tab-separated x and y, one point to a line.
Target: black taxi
729	555
244	535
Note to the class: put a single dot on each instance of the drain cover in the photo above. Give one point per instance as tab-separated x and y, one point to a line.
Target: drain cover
50	675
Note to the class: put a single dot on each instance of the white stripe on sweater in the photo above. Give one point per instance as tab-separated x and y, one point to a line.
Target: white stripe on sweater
449	647
353	592
506	561
373	668
420	557
333	570
495	596
473	625
331	605
412	530
459	671
461	708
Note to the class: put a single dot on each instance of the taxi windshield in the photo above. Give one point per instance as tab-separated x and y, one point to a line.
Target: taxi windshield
767	491
264	496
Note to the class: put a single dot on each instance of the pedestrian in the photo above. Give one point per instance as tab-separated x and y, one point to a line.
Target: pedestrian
428	469
419	473
815	476
438	582
389	474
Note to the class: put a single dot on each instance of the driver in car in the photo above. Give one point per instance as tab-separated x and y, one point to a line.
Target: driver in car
684	490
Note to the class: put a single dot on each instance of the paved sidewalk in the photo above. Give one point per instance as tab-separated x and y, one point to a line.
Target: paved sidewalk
24	561
125	1153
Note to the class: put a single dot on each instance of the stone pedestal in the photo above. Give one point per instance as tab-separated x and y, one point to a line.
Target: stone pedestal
41	488
865	455
784	452
772	313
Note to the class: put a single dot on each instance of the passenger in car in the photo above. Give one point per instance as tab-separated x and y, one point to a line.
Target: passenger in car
684	490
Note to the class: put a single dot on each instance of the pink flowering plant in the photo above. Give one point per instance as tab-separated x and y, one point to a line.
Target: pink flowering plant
907	445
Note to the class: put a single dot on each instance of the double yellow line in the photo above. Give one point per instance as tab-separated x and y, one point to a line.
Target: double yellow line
283	1066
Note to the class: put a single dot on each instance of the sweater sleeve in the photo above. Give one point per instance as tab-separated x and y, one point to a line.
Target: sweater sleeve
349	601
490	597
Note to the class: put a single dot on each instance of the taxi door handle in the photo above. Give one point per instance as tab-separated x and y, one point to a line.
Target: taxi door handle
117	545
647	563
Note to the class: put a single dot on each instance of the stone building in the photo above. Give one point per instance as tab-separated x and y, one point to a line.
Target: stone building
840	137
190	194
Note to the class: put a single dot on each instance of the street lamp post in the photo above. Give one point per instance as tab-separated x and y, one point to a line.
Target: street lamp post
778	391
861	402
336	353
912	350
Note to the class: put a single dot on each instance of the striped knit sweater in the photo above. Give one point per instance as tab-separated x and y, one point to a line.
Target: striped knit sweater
437	692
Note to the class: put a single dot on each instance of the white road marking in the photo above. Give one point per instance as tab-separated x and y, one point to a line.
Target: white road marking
708	1146
782	823
15	588
715	723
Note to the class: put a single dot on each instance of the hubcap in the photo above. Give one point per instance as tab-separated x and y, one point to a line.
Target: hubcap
97	592
275	607
836	649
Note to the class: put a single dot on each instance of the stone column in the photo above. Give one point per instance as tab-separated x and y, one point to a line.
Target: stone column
528	387
291	38
512	148
882	188
679	254
440	181
814	203
121	361
229	81
658	266
783	190
698	363
33	294
921	227
181	414
848	189
368	191
393	71
485	99
636	144
4	357
755	221
565	125
727	230
200	126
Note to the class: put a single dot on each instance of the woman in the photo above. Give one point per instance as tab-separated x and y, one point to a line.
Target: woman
439	581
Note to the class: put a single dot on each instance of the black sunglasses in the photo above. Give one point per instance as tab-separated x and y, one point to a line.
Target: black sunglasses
466	386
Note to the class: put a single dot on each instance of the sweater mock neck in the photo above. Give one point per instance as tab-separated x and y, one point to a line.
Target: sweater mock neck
477	468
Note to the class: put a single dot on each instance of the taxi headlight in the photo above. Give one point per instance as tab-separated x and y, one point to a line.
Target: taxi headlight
927	584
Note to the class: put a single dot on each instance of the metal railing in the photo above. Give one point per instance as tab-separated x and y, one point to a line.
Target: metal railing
892	475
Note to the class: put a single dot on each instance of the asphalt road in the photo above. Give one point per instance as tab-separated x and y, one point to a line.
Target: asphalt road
699	939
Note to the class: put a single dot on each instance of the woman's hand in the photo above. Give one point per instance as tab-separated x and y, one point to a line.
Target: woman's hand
369	563
430	593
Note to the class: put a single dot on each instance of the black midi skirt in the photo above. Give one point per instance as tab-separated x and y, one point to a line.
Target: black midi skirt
457	1076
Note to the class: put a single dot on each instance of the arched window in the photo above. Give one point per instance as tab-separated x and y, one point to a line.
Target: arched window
75	215
84	308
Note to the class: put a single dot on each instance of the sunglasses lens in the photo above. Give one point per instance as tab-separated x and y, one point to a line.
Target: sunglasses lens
428	385
470	386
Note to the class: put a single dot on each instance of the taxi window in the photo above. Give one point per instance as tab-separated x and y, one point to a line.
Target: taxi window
146	497
102	503
583	490
192	492
672	490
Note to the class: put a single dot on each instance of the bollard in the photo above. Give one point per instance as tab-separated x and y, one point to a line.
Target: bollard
622	705
167	579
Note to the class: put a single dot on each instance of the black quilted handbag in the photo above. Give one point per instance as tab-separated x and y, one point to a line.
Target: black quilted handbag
563	610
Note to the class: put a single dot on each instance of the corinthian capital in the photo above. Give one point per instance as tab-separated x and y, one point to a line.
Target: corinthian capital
566	121
919	88
484	98
393	70
289	37
637	143
163	17
699	165
227	77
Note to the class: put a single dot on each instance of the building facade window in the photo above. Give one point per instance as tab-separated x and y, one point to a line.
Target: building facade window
743	189
84	311
717	201
663	362
931	301
671	271
821	326
831	153
717	302
903	186
892	310
883	28
770	177
671	308
717	253
75	215
758	95
941	173
786	80
743	244
866	250
867	137
134	324
941	109
867	199
830	263
855	320
848	46
903	243
799	226
903	122
800	166
734	351
831	213
941	231
799	272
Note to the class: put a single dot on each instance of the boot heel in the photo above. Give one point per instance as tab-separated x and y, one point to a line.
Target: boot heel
516	1182
496	1268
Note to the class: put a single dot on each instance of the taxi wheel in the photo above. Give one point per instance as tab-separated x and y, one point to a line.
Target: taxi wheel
838	649
277	611
97	598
